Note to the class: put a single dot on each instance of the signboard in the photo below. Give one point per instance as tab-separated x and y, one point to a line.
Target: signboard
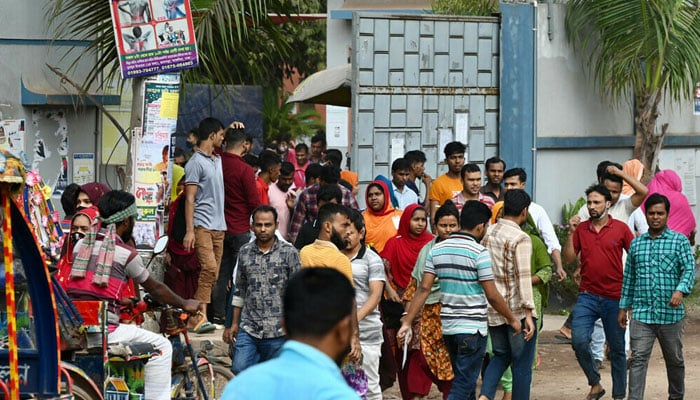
151	157
83	168
153	37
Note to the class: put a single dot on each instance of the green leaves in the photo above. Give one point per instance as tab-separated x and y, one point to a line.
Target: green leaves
638	47
465	7
279	117
236	40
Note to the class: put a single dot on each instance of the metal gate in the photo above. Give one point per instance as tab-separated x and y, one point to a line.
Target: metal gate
419	82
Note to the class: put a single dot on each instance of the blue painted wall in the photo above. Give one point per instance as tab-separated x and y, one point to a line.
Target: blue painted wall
517	117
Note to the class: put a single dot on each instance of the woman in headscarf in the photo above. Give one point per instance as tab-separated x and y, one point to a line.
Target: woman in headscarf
400	255
680	216
390	187
95	191
79	227
433	355
381	219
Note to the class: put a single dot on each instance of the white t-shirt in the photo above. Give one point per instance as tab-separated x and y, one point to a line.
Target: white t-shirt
544	225
365	270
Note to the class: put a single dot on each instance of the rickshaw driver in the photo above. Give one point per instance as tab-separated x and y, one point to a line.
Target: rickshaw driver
103	263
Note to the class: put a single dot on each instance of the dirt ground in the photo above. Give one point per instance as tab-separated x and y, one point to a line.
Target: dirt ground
560	377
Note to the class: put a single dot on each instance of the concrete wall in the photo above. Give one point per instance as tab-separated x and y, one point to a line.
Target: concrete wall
25	48
567	103
338	37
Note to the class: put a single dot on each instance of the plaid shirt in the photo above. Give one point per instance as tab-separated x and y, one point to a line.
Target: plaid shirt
657	267
306	209
260	283
511	251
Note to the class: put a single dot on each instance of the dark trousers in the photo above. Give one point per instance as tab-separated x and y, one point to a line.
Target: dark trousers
221	291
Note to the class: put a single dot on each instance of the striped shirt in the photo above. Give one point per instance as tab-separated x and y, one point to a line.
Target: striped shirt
657	267
461	264
511	251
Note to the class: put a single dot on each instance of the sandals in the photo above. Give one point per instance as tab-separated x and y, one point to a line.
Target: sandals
203	326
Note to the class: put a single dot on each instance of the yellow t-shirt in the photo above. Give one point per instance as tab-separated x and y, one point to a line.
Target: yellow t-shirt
444	188
322	253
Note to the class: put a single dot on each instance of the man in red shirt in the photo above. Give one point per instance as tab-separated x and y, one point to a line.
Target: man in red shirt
598	242
270	164
301	161
240	199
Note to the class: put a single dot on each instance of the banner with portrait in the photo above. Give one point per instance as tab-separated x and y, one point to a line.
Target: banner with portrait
153	37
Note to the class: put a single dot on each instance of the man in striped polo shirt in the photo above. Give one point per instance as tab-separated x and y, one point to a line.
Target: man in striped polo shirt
463	268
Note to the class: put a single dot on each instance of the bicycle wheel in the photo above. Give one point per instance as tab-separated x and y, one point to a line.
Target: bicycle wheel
214	377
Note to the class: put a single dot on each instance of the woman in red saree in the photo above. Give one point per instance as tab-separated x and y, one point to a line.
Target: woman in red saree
400	254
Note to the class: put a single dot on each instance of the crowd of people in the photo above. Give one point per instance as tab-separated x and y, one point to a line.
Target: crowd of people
448	275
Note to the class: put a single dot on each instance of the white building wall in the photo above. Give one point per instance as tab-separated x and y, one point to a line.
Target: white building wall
339	37
569	105
25	49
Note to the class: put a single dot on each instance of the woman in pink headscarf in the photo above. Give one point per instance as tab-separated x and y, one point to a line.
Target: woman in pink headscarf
680	217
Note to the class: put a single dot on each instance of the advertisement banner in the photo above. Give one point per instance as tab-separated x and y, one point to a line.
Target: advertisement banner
151	157
153	37
12	135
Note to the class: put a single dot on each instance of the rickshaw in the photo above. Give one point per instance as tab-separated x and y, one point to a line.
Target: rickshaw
29	335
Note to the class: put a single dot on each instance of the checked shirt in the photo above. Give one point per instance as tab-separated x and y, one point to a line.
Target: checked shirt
260	283
656	267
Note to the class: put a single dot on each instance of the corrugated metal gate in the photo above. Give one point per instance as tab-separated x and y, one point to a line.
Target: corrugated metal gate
419	82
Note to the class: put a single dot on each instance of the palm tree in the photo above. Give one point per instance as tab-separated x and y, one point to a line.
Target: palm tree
222	27
647	50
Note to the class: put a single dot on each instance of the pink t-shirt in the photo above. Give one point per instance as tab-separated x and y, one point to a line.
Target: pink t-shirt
278	199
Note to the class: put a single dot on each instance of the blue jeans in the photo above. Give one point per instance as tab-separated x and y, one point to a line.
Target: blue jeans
466	354
509	350
251	351
642	338
589	307
598	341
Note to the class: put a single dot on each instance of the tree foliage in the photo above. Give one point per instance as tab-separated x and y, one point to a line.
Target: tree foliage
640	49
278	116
465	7
237	41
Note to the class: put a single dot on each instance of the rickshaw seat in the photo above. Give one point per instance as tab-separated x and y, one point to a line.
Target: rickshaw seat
132	351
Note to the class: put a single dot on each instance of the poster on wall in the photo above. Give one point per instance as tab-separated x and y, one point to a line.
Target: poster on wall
12	135
337	126
153	37
83	168
151	157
